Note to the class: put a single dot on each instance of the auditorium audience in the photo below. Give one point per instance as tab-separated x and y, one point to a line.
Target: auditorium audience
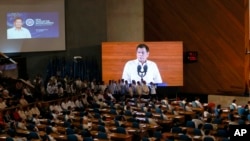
89	95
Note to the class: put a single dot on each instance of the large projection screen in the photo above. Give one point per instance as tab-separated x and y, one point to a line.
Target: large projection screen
43	26
167	55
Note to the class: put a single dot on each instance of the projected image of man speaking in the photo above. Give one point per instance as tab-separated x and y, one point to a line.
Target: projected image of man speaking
18	31
141	69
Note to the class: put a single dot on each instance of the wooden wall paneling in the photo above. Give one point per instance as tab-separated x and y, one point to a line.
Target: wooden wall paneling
216	29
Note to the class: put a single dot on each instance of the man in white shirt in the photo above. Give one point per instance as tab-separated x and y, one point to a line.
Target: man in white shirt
141	68
145	90
2	103
233	105
65	105
153	87
198	103
78	103
18	31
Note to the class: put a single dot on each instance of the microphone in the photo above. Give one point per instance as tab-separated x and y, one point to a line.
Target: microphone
142	73
145	68
138	69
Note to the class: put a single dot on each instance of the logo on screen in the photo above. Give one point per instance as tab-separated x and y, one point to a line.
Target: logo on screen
29	22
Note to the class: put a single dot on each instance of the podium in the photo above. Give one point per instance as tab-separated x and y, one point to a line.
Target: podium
8	66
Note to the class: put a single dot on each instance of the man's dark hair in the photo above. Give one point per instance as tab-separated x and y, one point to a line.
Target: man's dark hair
18	18
143	46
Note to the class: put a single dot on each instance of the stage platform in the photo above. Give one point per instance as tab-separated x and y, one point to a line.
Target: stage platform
226	100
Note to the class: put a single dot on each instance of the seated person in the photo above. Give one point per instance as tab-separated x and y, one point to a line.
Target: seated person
188	108
21	124
52	125
208	134
217	119
197	121
2	103
164	115
199	131
206	113
85	123
209	125
231	118
12	136
233	105
23	101
198	103
218	110
151	120
48	131
185	136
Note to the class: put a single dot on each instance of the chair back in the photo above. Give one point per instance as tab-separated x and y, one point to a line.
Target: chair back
102	135
86	133
121	130
128	113
208	126
9	139
72	137
70	131
148	114
145	139
248	117
221	133
158	110
176	129
113	111
117	124
190	124
33	135
208	139
158	135
87	139
241	111
101	128
135	125
185	138
97	115
197	132
225	139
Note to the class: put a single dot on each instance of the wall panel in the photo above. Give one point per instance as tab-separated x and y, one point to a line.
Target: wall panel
216	29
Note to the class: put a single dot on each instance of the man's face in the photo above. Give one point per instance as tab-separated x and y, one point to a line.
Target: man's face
18	23
142	55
